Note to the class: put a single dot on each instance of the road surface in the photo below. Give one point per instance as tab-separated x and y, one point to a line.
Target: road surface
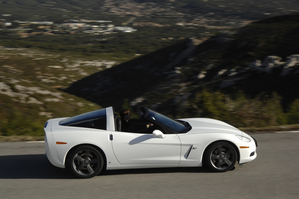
26	173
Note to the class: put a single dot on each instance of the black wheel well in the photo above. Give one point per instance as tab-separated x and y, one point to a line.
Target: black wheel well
235	147
96	147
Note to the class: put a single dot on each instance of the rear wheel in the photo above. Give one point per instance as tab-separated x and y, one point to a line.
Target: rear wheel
85	162
220	156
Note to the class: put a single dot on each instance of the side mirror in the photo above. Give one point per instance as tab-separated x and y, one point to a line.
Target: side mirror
158	134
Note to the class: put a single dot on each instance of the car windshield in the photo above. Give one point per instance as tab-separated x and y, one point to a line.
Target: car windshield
170	123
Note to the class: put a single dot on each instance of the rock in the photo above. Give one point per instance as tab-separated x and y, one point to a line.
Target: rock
255	64
222	72
202	75
52	100
137	101
58	67
47	114
292	60
268	64
272	61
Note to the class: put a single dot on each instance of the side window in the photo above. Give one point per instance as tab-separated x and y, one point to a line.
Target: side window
94	119
100	123
97	123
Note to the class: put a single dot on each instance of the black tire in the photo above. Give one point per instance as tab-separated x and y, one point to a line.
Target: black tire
85	162
220	156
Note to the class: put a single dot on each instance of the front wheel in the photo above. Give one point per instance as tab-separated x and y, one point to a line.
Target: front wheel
85	162
220	156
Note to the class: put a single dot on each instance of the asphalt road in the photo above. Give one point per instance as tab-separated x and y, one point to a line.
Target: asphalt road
26	173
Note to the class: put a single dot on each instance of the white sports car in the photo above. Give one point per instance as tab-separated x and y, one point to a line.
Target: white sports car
88	143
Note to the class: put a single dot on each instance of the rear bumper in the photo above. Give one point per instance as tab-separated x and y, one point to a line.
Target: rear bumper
50	148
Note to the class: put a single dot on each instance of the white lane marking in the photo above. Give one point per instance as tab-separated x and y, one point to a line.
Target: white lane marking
30	142
287	132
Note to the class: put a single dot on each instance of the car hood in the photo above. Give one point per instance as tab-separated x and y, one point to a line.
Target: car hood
204	125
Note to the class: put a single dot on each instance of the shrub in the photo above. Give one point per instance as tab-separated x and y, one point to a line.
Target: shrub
20	124
239	110
211	105
293	114
260	111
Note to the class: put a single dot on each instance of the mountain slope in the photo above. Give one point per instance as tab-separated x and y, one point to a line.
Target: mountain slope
131	79
277	36
28	89
253	9
162	79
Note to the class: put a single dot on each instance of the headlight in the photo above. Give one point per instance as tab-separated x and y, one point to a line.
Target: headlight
243	138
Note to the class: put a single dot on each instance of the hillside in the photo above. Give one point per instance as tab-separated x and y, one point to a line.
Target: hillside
158	54
28	88
168	79
97	27
252	9
277	36
133	78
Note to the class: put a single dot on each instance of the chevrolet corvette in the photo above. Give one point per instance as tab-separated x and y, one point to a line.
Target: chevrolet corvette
89	143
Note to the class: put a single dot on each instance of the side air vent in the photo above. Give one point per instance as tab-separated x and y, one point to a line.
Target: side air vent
188	152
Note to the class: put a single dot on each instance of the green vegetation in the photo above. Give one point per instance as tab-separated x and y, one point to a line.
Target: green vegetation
250	9
19	123
274	36
145	40
261	99
41	9
293	112
277	36
262	113
24	119
33	79
28	94
239	110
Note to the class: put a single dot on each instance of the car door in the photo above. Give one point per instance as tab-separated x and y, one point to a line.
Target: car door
139	148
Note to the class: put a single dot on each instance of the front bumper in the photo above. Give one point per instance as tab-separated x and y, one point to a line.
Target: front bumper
248	154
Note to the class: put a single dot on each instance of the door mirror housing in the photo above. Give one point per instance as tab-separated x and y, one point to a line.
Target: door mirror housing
158	134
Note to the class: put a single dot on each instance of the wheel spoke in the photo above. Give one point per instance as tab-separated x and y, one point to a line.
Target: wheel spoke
79	168
78	158
215	157
89	169
85	162
227	161
220	156
219	163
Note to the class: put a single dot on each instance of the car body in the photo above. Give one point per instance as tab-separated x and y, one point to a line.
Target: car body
88	143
